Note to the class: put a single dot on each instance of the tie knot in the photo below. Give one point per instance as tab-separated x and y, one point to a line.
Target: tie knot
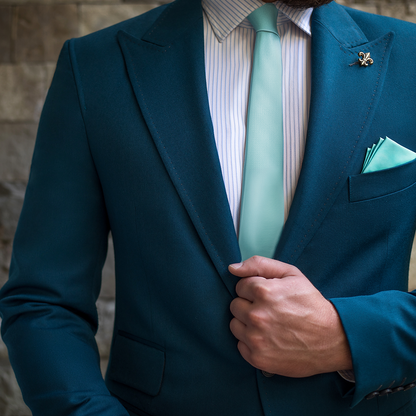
264	18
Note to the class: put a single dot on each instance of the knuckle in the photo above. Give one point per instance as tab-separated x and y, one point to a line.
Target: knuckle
257	260
261	291
256	318
292	270
256	342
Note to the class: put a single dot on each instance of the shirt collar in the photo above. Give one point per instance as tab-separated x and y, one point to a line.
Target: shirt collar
225	15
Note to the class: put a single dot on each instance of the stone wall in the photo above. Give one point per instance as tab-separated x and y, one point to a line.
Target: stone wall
31	35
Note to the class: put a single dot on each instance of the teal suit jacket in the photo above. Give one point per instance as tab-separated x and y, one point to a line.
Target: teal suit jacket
126	144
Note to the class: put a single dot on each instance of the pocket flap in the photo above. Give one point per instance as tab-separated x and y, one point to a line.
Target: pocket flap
137	364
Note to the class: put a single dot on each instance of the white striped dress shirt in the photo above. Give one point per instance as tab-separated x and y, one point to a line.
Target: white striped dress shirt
229	42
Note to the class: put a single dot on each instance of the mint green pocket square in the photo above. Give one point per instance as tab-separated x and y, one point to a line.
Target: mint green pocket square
386	154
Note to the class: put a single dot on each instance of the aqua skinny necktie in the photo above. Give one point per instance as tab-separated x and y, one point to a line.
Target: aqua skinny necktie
262	203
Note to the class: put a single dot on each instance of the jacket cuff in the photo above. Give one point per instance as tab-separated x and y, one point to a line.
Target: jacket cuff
381	335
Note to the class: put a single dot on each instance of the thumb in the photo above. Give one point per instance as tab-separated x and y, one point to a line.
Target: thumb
261	266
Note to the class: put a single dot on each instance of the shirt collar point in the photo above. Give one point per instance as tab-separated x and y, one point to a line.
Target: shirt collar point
223	18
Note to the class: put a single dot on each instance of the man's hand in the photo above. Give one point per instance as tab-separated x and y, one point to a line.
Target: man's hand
283	323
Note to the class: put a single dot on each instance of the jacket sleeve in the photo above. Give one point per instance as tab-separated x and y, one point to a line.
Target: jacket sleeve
48	304
381	331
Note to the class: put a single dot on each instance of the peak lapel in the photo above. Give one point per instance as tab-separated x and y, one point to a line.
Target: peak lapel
167	71
343	102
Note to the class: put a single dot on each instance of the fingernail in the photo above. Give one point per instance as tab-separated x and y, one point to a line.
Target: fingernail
236	265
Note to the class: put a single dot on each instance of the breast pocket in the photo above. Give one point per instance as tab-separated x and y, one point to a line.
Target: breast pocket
382	183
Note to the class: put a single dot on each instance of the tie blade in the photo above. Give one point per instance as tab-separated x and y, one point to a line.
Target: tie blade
262	204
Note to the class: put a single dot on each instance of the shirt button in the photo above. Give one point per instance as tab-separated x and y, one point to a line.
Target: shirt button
266	374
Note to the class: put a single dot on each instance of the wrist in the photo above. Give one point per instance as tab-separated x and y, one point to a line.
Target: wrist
338	355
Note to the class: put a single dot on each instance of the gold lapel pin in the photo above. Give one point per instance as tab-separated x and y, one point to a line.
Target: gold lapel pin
364	59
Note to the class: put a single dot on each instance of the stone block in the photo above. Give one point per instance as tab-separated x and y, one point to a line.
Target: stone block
3	350
11	201
51	2
365	6
368	8
104	335
42	29
153	2
96	17
17	141
5	34
11	401
103	366
23	90
398	10
5	257
50	71
411	15
108	274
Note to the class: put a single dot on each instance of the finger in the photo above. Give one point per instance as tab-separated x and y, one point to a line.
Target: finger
261	266
239	308
247	287
238	329
244	351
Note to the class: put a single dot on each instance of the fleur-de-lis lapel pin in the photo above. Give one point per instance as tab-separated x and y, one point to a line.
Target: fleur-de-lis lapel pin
364	59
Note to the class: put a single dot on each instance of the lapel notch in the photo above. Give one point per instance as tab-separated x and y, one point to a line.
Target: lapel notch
166	30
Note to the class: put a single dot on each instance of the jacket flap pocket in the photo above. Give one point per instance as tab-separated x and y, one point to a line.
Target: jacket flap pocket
137	364
381	183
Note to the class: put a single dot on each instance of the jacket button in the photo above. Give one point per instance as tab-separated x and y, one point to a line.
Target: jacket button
409	386
372	395
385	392
266	374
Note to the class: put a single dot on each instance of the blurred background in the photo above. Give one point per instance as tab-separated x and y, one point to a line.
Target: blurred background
31	35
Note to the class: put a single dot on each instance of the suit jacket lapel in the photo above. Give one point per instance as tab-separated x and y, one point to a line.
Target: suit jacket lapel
343	103
168	77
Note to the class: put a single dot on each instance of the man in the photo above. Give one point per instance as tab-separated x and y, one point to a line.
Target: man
126	142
